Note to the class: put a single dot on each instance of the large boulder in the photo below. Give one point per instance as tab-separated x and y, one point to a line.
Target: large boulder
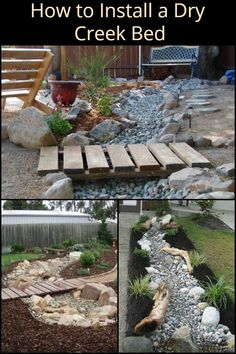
210	317
106	130
164	220
179	179
92	291
76	139
171	100
51	178
30	130
104	311
137	345
217	195
61	189
181	341
171	128
226	170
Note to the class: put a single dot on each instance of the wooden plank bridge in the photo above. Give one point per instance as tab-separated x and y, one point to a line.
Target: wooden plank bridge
137	160
42	288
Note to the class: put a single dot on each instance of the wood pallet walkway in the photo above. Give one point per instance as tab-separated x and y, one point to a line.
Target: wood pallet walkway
42	288
137	160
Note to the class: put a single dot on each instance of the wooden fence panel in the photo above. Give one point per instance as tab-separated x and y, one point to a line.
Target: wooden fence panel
43	235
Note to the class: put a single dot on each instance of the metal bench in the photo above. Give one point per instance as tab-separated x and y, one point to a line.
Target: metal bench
173	56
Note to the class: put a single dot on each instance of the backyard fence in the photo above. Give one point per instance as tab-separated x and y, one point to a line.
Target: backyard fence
44	235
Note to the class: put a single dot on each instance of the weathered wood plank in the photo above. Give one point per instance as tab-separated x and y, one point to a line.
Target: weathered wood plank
120	158
73	160
96	159
192	157
35	290
19	292
28	291
65	286
11	293
143	158
15	93
4	295
19	74
23	53
48	159
76	282
51	287
19	84
42	288
165	156
9	64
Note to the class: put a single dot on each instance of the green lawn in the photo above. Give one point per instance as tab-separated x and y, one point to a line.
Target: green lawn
9	258
216	245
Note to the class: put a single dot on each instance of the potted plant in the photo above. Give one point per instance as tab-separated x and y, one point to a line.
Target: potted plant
66	90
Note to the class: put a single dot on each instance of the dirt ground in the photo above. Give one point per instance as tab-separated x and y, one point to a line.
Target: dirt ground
19	165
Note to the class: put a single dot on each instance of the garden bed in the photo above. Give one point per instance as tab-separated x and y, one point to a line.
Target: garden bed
211	222
203	272
108	257
23	334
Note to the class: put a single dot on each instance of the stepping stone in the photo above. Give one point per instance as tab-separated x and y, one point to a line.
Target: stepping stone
208	110
203	96
203	92
198	103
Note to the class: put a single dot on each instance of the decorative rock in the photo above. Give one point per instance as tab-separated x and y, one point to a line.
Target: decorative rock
228	186
154	221
184	137
77	294
210	317
82	105
75	255
106	130
178	179
171	128
104	298
202	141
128	123
196	292
107	310
35	300
137	345
145	244
147	224
92	291
181	341
218	142
51	178
155	284
208	110
45	301
151	270
68	320
231	342
30	130
166	139
202	305
171	100
226	170
164	220
113	301
4	132
61	189
216	195
224	80
76	139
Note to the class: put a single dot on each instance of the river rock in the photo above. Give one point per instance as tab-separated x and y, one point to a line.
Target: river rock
181	341
171	128
178	179
106	130
216	195
82	105
218	142
107	311
202	141
145	244
171	100
30	130
226	170
61	189
4	132
35	300
202	305
164	220
210	317
228	186
92	291
137	345
51	178
196	292
76	139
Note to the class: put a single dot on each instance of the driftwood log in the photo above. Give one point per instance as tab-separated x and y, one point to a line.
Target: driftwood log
154	319
181	253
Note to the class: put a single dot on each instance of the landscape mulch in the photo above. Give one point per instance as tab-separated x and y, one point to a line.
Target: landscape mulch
212	223
107	256
21	333
202	273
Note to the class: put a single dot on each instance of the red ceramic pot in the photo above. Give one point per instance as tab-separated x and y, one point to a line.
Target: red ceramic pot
64	91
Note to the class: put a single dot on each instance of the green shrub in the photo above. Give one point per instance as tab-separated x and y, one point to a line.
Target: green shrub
140	287
57	246
77	247
170	232
6	250
104	105
83	272
87	246
17	248
216	294
196	258
205	206
141	253
87	259
162	207
104	235
68	243
103	266
96	254
58	125
37	250
143	218
138	227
